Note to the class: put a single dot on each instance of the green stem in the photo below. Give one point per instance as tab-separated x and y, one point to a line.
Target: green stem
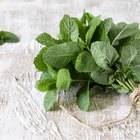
131	84
122	84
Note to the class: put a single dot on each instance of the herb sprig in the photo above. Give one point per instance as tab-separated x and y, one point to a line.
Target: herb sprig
98	53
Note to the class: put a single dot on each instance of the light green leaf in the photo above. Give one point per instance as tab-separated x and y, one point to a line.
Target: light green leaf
83	97
63	79
46	75
102	77
103	54
39	62
128	55
44	85
8	37
60	55
49	99
69	29
93	25
122	30
46	39
85	62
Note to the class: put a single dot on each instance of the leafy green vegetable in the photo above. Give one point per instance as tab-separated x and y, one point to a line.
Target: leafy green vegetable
60	55
85	62
93	25
63	79
69	29
104	54
50	99
8	37
122	30
83	97
98	54
102	77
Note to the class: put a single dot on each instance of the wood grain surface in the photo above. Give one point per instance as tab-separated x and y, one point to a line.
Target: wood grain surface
22	116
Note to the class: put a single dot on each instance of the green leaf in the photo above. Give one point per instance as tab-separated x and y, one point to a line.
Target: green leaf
49	99
83	97
8	37
82	29
63	79
44	85
103	54
46	39
102	77
122	30
60	55
46	75
136	72
93	25
86	18
39	62
128	55
104	28
69	29
85	62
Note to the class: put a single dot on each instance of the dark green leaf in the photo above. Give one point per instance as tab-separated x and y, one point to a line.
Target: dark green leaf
50	99
83	97
39	62
85	62
63	79
102	77
8	37
104	54
82	29
128	55
69	29
122	30
93	25
60	55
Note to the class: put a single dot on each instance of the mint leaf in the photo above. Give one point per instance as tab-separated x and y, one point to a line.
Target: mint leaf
63	79
85	62
8	37
128	55
103	54
122	30
83	97
69	29
93	25
82	29
86	18
104	28
50	99
60	55
47	40
102	77
39	62
44	85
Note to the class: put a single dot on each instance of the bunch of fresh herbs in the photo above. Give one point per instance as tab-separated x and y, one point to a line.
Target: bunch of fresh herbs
99	54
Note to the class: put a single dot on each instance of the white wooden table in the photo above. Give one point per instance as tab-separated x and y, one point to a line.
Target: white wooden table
22	116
